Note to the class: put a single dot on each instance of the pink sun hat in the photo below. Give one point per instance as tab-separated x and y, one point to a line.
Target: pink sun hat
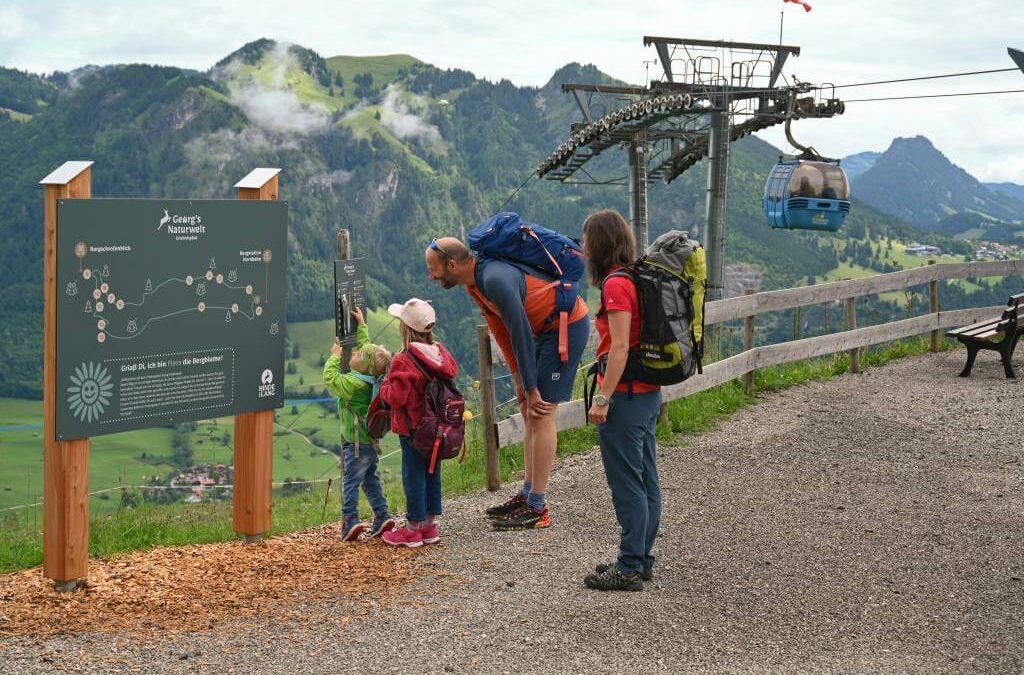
415	313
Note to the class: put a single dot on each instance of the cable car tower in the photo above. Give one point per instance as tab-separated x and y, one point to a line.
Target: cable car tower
707	94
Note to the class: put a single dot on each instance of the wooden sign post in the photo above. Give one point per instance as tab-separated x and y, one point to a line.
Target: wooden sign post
344	253
254	432
65	463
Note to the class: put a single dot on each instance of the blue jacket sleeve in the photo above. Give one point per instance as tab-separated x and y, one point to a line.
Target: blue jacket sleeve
504	286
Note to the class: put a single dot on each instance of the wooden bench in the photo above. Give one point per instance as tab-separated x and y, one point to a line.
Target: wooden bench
999	335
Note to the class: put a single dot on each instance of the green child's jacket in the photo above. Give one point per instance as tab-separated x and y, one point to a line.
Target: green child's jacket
353	393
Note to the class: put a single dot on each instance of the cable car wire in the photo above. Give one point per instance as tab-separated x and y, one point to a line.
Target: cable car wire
967	93
924	77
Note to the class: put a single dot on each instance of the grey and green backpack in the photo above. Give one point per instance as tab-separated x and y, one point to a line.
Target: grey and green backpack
671	281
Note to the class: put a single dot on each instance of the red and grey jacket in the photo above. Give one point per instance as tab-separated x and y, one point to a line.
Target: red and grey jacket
403	387
518	307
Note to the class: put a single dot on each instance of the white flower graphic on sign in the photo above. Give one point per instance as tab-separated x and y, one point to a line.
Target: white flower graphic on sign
90	393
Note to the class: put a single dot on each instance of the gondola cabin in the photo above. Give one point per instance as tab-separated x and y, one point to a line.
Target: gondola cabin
806	195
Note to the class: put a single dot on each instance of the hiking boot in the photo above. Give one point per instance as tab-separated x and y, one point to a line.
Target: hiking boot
403	536
429	534
351	530
516	502
611	579
646	575
379	527
524	518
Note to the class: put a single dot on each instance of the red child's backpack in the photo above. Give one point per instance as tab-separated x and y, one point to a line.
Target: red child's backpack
378	418
440	433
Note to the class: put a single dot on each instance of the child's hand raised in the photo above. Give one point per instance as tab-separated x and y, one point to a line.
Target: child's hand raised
357	314
336	348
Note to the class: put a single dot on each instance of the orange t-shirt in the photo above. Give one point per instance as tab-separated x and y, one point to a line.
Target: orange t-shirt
619	295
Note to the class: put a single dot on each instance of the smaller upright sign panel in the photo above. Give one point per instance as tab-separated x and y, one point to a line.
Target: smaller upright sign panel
349	293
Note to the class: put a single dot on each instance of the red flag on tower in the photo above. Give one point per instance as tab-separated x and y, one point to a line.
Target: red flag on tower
806	6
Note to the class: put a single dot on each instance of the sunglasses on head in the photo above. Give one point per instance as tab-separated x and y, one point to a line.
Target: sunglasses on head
434	246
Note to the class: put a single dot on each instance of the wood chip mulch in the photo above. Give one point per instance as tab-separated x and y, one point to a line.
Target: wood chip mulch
198	587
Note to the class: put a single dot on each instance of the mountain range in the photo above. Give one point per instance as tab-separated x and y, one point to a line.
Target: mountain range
914	181
393	149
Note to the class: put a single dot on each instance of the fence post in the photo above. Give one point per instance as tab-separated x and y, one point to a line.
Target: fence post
851	324
933	293
254	431
748	344
65	463
485	361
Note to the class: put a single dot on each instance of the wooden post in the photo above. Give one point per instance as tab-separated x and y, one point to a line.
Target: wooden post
933	293
487	404
65	463
254	432
851	324
748	344
344	253
796	323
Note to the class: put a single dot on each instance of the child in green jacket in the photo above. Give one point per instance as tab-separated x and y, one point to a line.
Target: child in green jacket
354	390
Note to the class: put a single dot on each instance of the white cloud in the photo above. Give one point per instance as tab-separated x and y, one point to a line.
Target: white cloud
13	24
225	145
275	107
398	118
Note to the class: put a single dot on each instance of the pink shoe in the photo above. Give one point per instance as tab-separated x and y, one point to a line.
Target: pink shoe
429	534
403	536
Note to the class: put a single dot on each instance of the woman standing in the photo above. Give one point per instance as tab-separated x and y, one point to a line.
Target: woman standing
626	414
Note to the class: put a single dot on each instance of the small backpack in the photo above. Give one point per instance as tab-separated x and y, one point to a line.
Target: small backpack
441	432
378	415
671	282
551	255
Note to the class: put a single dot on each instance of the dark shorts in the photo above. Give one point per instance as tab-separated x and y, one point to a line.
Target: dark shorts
554	378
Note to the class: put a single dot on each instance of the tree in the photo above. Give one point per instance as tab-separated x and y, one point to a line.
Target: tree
181	455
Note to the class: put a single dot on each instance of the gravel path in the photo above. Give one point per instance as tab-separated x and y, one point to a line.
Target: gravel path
867	524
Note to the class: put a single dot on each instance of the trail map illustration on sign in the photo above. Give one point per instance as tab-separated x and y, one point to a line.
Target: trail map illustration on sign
349	293
172	311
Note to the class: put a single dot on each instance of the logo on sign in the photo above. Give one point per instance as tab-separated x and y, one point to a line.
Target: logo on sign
267	386
184	228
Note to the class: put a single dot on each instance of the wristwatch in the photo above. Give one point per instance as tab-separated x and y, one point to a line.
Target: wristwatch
601	400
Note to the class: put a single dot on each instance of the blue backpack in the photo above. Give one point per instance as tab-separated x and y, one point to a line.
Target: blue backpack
536	250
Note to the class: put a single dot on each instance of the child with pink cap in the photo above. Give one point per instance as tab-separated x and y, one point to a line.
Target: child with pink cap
403	390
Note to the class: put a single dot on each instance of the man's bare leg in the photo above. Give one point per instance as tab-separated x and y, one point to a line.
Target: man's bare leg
528	445
544	436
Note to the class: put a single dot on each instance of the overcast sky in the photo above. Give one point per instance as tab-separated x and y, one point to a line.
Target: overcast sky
842	41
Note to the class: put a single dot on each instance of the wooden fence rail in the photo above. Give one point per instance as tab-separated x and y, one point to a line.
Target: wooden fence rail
572	414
